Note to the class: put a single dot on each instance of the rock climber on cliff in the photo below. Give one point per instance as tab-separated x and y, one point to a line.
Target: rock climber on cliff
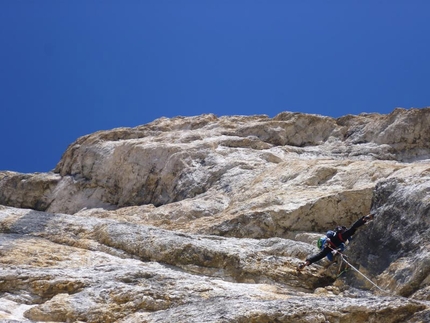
335	241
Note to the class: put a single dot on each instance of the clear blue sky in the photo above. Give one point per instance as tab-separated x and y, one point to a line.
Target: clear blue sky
70	68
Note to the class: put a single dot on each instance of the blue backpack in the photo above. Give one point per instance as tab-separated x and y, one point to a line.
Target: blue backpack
321	241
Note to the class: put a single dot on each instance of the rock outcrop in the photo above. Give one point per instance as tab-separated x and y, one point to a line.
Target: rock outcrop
205	219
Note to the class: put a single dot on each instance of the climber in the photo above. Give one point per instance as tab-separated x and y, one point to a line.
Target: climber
335	242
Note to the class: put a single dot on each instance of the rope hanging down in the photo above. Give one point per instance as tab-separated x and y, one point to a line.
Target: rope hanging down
349	264
343	258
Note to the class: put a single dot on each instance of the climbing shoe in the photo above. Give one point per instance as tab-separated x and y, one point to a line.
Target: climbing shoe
369	217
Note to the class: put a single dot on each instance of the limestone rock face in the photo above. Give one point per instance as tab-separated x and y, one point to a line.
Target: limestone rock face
401	237
205	219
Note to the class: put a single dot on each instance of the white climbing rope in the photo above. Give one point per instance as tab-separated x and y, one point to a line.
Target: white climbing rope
368	279
349	264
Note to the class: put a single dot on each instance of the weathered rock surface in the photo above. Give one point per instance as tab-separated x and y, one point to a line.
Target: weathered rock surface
402	233
204	219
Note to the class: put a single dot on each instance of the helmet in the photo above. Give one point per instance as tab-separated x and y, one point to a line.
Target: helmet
340	229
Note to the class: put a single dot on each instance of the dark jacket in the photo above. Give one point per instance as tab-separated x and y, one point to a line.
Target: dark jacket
337	240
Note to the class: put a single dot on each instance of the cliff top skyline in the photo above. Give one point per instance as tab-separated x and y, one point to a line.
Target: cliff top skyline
72	69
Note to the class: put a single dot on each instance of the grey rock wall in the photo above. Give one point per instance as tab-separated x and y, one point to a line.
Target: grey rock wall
205	219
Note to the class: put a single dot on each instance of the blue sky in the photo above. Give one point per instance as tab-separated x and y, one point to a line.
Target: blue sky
70	68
